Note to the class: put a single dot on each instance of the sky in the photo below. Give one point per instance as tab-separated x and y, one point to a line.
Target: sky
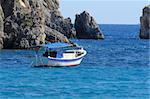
105	11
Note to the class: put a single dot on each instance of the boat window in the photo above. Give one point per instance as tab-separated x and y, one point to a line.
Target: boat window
69	52
78	54
50	53
53	54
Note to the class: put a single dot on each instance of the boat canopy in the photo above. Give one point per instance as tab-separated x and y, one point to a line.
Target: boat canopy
56	45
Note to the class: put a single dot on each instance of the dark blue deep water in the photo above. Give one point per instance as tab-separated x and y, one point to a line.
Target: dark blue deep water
115	68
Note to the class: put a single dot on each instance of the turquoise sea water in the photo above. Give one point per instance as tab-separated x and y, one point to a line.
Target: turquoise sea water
115	68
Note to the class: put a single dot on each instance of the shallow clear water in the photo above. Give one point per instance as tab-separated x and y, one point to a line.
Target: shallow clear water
114	68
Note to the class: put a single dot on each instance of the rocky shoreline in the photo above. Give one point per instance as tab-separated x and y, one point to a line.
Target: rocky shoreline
26	20
22	22
26	23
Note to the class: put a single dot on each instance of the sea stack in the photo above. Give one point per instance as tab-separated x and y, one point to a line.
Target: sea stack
145	23
86	27
27	22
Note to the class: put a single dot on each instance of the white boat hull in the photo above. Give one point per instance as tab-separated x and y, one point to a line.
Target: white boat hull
61	62
64	63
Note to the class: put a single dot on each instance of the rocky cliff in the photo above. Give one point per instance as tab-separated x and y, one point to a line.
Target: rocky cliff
1	27
86	27
24	22
145	23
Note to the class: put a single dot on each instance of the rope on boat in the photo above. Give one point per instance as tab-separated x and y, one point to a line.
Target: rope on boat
38	60
31	64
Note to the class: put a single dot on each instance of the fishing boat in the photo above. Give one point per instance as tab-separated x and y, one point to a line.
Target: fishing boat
59	55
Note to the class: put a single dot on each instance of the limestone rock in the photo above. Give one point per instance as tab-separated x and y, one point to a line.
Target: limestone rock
20	25
86	27
64	26
1	27
52	4
26	20
55	36
145	23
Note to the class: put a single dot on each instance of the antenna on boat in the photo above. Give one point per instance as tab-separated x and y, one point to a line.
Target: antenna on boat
38	61
34	62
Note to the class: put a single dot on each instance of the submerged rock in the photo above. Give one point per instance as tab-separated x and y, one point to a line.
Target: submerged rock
25	22
86	27
145	23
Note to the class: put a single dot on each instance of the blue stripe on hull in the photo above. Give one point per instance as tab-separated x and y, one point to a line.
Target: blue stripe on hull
66	60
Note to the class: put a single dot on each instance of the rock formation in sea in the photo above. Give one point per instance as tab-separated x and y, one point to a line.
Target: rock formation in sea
86	27
27	21
145	23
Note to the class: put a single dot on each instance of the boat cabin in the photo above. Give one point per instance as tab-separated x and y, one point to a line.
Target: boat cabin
66	54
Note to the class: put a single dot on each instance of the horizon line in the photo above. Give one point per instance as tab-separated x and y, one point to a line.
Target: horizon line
118	23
